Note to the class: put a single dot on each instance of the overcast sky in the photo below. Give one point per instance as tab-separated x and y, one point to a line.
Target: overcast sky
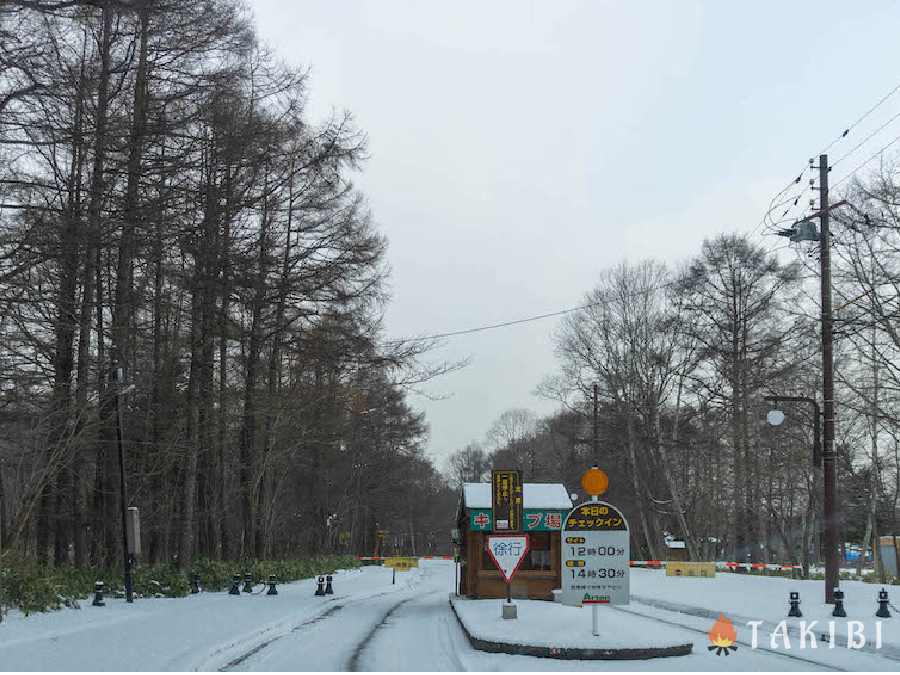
519	148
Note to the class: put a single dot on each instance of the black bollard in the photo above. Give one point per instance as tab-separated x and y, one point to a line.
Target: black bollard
320	586
195	584
883	605
98	595
235	585
328	589
795	604
838	603
248	582
272	590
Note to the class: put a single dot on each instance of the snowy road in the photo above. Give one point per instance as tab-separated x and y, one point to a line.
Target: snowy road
414	629
408	629
369	624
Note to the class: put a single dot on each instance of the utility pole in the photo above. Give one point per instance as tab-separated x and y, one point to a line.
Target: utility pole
595	436
832	577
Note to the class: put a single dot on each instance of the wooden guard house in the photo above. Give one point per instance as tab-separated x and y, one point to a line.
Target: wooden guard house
545	506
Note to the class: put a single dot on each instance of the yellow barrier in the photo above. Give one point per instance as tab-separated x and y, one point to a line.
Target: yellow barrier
691	569
401	564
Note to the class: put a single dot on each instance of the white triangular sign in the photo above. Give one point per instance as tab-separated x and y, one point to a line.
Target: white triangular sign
507	551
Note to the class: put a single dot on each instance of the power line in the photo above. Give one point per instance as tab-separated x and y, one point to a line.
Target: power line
863	141
530	319
864	162
840	137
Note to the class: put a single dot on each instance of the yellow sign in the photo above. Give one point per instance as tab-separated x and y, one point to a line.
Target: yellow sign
691	569
401	564
594	481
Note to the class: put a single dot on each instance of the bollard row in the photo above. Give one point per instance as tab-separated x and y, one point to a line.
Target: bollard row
882	612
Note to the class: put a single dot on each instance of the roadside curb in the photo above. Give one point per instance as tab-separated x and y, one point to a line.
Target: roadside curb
569	653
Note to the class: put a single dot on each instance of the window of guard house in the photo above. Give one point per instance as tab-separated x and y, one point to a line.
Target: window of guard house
538	557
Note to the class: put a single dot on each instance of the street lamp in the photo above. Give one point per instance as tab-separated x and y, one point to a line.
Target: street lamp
775	418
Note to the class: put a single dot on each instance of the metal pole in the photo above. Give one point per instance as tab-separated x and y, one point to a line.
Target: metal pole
595	437
129	586
595	620
832	578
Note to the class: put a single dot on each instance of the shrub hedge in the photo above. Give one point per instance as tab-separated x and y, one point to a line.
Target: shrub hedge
31	587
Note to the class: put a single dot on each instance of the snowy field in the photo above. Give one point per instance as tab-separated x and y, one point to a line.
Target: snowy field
370	624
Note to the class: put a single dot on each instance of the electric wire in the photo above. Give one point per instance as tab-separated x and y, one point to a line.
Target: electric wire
863	141
530	319
768	215
859	166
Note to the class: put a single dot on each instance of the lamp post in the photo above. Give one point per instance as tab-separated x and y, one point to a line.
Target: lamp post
775	417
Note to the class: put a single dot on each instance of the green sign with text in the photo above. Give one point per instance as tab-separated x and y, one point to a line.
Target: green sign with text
533	520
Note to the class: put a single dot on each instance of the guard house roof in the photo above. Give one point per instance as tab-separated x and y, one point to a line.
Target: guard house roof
537	496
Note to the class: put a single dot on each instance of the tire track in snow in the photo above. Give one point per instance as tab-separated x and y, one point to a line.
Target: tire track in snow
234	663
353	663
442	637
258	647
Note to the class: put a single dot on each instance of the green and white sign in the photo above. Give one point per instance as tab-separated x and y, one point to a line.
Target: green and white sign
534	520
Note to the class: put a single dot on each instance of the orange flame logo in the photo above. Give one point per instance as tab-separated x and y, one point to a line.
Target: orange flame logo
723	636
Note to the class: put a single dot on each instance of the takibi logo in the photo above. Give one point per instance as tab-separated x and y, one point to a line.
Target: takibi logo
723	636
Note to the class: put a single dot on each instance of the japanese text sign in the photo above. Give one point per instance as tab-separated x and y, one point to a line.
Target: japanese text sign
507	551
506	500
595	551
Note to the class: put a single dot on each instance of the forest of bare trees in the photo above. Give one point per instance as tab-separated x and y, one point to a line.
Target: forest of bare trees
184	259
178	237
683	358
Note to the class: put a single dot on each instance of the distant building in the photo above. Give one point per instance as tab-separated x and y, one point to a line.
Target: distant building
545	508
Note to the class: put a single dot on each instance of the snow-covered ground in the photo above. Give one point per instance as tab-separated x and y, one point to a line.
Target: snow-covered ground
370	624
547	624
201	632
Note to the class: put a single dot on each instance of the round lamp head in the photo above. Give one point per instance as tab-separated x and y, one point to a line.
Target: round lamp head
594	481
775	417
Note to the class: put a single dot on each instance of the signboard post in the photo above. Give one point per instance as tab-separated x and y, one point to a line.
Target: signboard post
402	563
595	551
506	500
507	551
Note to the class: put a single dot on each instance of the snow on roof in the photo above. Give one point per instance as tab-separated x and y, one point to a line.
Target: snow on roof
537	496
